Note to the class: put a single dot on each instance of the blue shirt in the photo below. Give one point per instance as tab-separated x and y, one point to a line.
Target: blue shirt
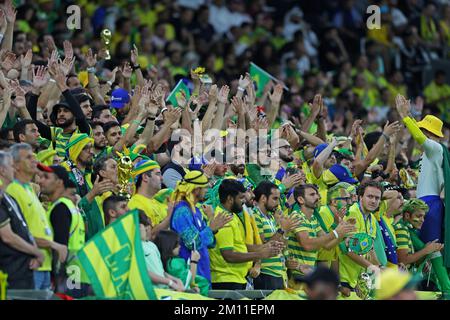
194	234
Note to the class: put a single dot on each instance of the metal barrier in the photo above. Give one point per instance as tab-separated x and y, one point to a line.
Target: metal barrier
31	295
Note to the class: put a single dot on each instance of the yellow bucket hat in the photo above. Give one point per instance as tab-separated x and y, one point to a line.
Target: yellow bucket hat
432	124
391	282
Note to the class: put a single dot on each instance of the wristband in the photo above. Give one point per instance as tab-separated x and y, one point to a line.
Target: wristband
109	82
170	283
163	109
91	70
135	67
52	80
385	136
241	89
336	234
192	261
151	118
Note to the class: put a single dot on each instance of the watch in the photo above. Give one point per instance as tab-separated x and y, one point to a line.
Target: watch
280	231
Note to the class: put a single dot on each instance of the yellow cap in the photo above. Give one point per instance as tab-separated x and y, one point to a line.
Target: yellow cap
391	282
432	124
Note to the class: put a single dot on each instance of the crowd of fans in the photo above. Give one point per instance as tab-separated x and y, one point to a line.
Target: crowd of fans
340	188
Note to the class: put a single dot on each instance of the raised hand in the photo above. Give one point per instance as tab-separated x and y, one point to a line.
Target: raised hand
403	106
238	105
3	22
113	74
244	81
9	61
25	61
20	101
316	105
390	129
91	59
262	124
134	55
223	94
68	49
252	113
52	63
355	127
251	95
213	93
50	43
275	97
171	116
127	70
66	65
10	11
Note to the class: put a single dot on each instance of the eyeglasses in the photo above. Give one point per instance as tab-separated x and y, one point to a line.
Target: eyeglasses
343	198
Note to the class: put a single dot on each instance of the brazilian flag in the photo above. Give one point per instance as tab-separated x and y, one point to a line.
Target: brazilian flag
181	86
114	261
261	78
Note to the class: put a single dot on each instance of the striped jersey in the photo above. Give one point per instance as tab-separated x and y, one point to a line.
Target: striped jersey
296	251
402	236
267	228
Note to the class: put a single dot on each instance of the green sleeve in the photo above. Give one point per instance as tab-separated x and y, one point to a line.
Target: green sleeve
177	267
415	131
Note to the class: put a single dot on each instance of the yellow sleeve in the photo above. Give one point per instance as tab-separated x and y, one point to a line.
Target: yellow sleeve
224	238
415	131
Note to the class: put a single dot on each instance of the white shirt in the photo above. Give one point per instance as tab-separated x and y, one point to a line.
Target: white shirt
431	175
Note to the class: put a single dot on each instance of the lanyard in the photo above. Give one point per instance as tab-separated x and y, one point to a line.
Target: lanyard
369	217
268	219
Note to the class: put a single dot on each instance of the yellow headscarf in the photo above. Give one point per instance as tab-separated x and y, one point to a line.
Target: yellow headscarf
76	144
192	180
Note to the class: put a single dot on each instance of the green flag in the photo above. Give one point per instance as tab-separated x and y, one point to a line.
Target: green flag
114	261
261	78
446	235
181	86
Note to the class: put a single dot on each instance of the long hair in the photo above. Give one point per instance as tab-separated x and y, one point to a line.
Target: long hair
166	241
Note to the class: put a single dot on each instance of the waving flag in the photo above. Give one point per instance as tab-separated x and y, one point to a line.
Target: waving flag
114	261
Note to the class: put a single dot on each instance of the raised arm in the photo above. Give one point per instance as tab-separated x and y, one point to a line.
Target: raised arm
207	118
275	100
223	100
10	13
317	166
389	129
315	110
404	110
135	66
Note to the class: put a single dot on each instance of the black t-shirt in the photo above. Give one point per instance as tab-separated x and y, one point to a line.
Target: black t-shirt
61	218
13	262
